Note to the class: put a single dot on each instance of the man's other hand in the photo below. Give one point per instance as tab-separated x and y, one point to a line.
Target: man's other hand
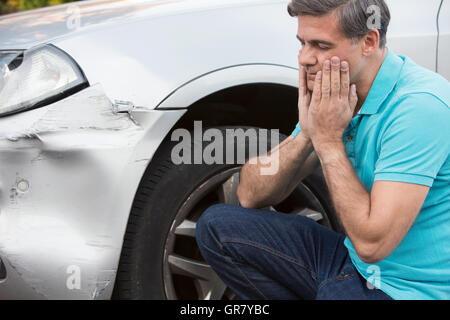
332	105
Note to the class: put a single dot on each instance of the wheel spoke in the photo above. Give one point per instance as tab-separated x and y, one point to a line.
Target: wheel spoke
309	213
218	289
189	267
210	290
227	192
207	282
186	228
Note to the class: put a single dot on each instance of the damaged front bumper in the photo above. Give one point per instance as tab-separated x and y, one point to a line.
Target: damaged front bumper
69	172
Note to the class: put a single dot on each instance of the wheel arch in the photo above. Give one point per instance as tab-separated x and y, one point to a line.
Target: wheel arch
263	95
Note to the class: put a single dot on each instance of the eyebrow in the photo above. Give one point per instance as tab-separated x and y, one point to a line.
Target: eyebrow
318	42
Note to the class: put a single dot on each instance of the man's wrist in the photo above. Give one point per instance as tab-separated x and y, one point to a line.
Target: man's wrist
330	151
304	139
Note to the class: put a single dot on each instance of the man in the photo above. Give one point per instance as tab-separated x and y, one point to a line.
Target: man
379	125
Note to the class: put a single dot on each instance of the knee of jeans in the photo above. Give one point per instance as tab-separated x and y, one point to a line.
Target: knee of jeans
204	228
209	227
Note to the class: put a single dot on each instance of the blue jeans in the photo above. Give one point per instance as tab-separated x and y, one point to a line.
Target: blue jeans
262	254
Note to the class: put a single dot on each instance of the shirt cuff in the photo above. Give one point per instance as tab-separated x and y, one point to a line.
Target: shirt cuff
404	177
296	130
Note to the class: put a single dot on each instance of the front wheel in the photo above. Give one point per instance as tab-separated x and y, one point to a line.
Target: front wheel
160	258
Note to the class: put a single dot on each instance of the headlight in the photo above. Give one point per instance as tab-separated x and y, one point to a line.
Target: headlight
37	77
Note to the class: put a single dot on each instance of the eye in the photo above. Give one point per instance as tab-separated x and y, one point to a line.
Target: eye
322	47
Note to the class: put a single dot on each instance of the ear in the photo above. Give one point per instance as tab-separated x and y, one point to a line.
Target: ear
370	42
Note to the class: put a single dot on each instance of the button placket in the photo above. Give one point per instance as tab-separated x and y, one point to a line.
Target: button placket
349	145
352	137
349	139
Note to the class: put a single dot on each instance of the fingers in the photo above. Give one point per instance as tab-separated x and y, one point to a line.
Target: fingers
303	84
326	81
317	91
302	81
345	80
334	83
353	99
304	96
307	99
335	77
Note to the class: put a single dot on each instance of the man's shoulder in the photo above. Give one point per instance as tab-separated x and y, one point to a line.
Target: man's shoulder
417	82
419	101
420	109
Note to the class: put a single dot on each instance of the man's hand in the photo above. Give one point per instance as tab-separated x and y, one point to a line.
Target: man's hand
304	99
332	106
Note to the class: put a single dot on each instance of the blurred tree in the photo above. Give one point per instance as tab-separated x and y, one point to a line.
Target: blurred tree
8	6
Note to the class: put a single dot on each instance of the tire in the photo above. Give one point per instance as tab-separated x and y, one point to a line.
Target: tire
160	258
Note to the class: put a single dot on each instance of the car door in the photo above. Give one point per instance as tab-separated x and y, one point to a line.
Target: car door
443	62
413	30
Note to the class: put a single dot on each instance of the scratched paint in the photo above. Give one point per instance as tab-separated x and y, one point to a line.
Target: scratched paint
66	139
68	176
87	110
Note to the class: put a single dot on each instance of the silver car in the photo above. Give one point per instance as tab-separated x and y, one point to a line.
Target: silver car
93	96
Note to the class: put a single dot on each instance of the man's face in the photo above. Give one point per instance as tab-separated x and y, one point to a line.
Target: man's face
321	40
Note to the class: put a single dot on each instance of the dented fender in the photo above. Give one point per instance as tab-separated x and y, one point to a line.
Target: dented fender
69	172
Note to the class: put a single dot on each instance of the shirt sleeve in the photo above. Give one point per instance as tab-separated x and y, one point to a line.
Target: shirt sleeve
296	130
416	141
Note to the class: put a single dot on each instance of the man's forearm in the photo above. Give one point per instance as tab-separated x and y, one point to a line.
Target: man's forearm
257	190
350	199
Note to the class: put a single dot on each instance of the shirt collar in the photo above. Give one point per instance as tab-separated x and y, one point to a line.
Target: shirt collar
384	83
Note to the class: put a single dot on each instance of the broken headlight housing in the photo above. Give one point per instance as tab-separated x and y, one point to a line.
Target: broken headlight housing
37	77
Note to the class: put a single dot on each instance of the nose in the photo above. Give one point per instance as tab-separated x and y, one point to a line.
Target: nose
306	57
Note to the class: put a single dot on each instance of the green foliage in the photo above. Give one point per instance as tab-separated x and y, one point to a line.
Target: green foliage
9	6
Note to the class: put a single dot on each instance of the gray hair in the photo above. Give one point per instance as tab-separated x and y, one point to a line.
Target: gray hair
354	15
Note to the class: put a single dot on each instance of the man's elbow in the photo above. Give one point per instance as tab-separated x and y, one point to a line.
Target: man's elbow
245	200
370	259
370	253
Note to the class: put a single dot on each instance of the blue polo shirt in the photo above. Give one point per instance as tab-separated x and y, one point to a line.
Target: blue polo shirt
402	133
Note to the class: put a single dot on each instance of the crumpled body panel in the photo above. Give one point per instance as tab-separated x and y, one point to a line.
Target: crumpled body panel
68	175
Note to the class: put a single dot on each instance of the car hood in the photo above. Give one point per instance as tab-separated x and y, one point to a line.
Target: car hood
144	51
26	29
